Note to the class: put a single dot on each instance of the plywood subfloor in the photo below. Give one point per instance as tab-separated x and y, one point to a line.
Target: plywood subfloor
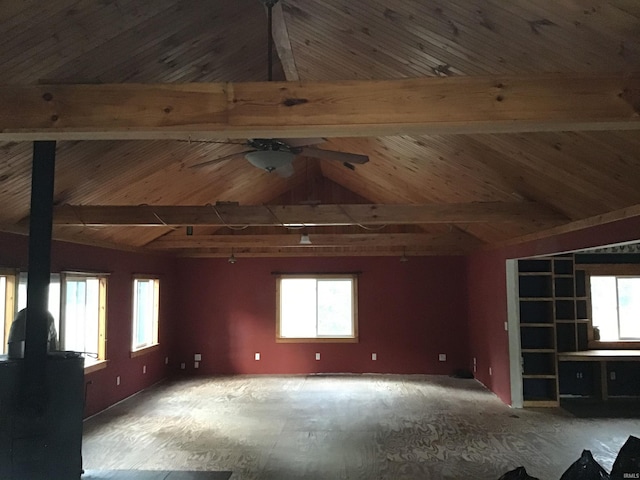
342	427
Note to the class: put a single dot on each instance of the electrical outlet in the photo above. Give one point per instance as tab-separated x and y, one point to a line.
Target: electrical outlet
612	375
197	357
317	356
257	355
196	364
118	380
475	365
144	369
442	357
166	360
490	371
183	366
374	356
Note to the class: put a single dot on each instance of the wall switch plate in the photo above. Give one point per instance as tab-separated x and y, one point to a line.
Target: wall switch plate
317	356
374	356
442	357
197	357
166	360
183	366
506	327
257	356
196	364
144	369
490	371
118	380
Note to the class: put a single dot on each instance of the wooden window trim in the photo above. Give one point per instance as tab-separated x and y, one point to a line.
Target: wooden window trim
156	307
102	312
101	365
614	270
354	307
144	350
10	302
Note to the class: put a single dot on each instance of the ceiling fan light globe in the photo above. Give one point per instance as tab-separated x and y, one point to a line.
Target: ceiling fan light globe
270	160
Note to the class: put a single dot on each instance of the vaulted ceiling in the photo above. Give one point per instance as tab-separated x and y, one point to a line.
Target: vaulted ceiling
504	185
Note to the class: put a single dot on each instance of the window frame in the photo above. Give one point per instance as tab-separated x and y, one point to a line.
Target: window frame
610	270
59	277
323	339
102	312
155	341
10	303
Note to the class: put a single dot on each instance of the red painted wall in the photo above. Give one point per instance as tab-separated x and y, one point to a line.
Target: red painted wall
487	289
101	389
408	313
488	340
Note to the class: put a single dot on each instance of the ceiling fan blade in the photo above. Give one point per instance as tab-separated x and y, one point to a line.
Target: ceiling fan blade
285	171
333	155
301	142
220	159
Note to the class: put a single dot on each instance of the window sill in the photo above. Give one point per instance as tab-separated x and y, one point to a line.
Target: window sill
317	340
102	364
621	345
145	350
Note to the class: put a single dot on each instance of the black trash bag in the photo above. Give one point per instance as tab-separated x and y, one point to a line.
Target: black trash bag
627	464
518	474
585	468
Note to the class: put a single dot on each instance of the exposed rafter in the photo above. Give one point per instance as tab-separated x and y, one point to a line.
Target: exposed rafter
452	241
283	44
489	104
310	215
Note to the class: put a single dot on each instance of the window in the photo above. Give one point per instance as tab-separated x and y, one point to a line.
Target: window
615	307
145	312
317	308
83	324
78	303
54	297
7	306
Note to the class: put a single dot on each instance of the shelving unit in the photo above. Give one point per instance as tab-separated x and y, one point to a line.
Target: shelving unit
553	320
537	332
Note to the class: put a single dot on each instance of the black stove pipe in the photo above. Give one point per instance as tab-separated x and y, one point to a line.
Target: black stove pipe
40	226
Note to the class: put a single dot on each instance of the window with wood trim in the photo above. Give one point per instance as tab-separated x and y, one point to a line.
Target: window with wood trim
7	305
615	307
146	296
316	308
78	303
54	297
84	315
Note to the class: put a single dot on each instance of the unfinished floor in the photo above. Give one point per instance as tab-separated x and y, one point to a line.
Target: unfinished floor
342	427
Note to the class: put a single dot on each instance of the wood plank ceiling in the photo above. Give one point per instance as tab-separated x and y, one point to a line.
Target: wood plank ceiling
574	175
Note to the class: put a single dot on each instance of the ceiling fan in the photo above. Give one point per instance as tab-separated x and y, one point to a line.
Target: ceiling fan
276	155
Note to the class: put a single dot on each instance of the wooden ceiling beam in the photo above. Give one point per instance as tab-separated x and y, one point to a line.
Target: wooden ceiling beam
488	104
283	44
453	240
309	215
